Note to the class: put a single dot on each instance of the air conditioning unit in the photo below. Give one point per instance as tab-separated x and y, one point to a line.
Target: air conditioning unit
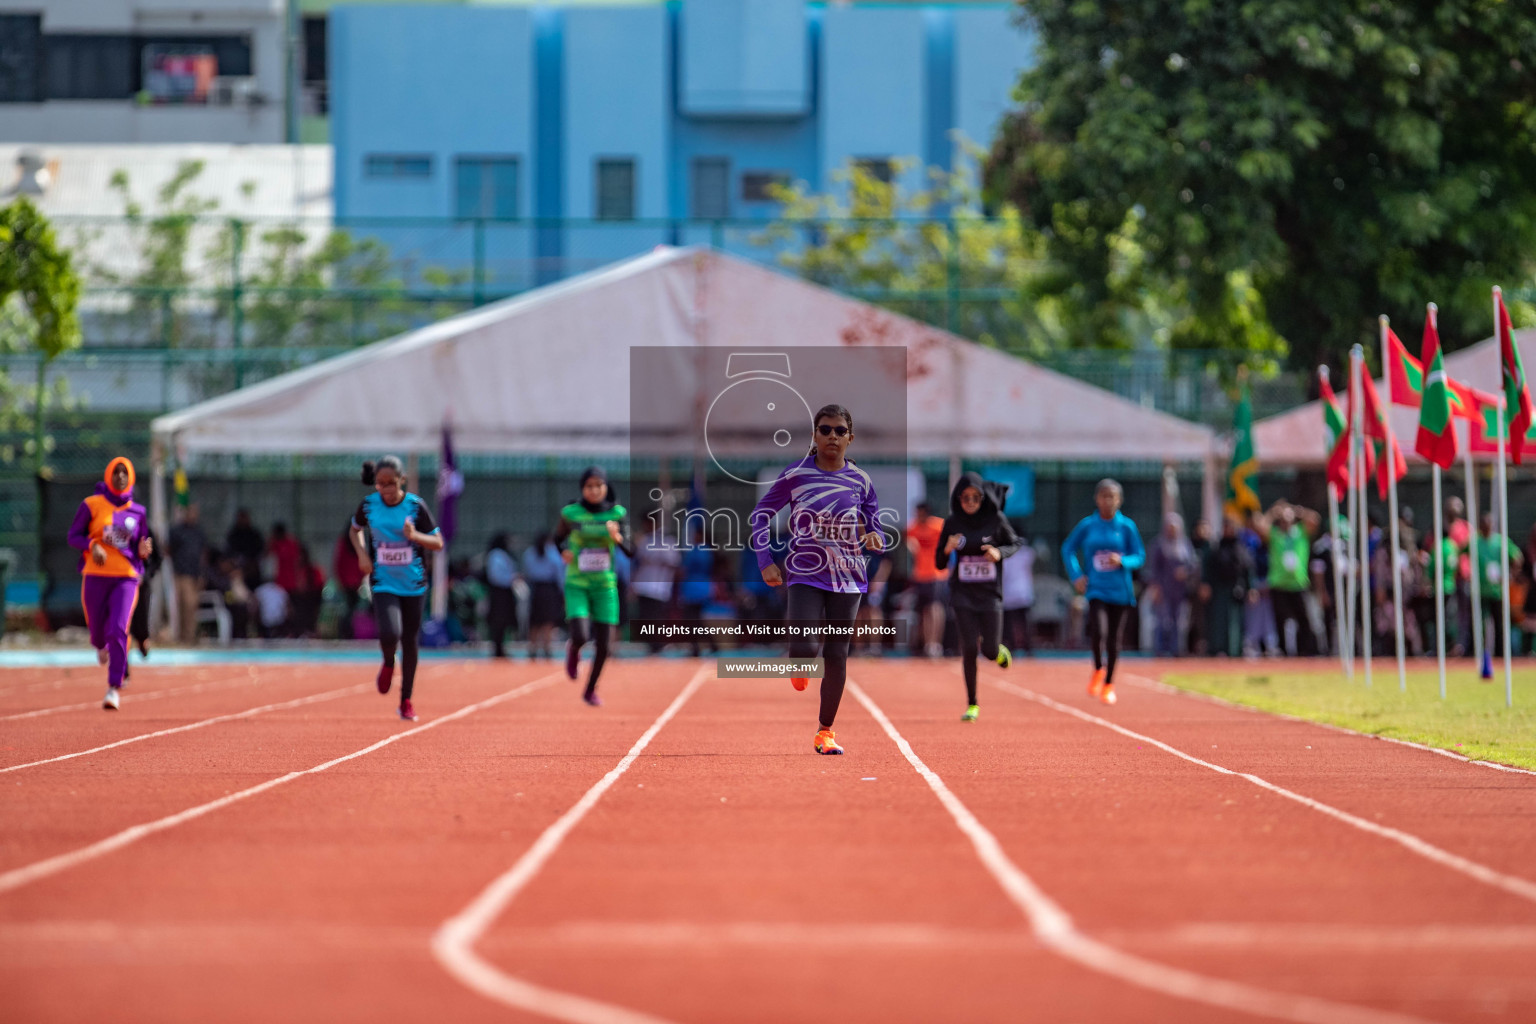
234	91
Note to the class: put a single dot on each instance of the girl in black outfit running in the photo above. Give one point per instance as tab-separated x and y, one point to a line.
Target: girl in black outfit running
981	537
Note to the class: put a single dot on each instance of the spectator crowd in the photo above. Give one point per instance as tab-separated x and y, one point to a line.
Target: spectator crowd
1259	587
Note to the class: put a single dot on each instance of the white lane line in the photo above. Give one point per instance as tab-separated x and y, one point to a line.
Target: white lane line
134	697
453	944
1162	687
1509	883
18	877
1056	930
215	720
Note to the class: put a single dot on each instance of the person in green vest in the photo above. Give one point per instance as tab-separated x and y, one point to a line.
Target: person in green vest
591	528
1450	560
1288	530
1487	550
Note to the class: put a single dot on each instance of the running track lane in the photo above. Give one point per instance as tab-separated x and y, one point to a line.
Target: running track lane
1258	872
724	918
73	803
316	900
674	966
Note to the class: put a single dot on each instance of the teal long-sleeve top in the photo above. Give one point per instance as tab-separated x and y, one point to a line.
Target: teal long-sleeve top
1084	553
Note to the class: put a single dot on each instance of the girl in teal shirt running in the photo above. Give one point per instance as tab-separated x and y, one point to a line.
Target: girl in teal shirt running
1099	556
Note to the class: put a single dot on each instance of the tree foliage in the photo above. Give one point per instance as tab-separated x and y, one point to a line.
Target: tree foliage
1273	173
929	253
39	302
39	274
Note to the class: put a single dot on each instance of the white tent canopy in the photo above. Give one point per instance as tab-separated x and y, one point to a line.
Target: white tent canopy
1298	438
513	375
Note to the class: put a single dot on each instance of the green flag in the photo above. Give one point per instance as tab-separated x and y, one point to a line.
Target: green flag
1241	497
1436	441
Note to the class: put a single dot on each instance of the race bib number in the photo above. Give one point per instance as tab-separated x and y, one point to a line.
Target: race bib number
1291	561
1104	561
396	554
594	560
977	569
1493	573
834	531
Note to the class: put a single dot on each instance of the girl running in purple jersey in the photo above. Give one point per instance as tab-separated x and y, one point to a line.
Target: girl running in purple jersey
832	521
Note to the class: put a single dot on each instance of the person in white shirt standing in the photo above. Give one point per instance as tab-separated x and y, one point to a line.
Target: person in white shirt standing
1018	597
656	564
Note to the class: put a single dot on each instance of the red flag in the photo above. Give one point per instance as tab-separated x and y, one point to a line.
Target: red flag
1517	396
1436	440
1388	468
1338	435
1405	379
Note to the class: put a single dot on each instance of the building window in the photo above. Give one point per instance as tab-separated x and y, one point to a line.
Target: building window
97	67
397	165
316	95
877	167
181	69
487	186
758	186
21	58
711	197
616	189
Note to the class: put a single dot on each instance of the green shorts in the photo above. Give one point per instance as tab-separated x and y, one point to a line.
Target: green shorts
600	604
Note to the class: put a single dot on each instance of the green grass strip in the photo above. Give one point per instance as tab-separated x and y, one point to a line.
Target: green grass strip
1471	721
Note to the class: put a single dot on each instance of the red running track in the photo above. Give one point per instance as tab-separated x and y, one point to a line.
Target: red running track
729	874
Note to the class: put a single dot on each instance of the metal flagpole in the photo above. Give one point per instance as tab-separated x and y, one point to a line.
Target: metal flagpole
1341	634
1433	312
1395	564
1356	368
1351	501
1439	575
1509	668
1476	585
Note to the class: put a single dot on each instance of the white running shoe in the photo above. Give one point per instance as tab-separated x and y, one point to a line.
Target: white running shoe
110	700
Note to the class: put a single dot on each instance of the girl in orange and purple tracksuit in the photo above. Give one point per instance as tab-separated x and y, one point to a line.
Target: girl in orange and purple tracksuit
111	531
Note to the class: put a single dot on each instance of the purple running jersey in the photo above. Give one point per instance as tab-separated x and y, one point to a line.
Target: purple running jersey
829	513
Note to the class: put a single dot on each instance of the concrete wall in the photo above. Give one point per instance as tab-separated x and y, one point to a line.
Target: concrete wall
108	121
873	86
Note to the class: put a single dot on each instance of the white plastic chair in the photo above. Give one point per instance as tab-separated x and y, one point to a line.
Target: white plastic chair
211	608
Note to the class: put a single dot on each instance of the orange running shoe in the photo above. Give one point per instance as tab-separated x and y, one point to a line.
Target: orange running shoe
799	682
826	742
1107	695
1096	684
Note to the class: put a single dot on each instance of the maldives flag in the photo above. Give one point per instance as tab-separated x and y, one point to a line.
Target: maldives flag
1405	379
1337	429
1517	396
1437	438
1389	469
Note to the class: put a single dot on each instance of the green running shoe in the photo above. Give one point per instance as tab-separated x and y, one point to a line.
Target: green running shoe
970	714
1004	658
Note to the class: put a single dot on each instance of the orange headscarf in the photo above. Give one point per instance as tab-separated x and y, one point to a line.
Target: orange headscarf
112	467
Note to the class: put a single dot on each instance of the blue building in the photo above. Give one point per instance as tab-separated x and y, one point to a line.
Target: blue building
589	133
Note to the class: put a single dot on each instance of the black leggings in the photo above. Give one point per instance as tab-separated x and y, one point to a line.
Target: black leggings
808	604
399	620
602	635
974	624
1105	624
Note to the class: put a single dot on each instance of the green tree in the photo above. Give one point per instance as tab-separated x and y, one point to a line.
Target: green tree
1282	171
39	299
928	253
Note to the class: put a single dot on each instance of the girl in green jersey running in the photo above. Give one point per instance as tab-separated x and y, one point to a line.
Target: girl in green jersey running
590	529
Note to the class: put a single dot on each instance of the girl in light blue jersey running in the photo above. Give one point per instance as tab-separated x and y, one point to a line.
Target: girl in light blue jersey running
1098	556
391	530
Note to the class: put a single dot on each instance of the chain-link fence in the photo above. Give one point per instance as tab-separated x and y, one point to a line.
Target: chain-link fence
181	308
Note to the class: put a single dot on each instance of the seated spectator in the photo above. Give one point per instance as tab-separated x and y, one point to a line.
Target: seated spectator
272	609
308	589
